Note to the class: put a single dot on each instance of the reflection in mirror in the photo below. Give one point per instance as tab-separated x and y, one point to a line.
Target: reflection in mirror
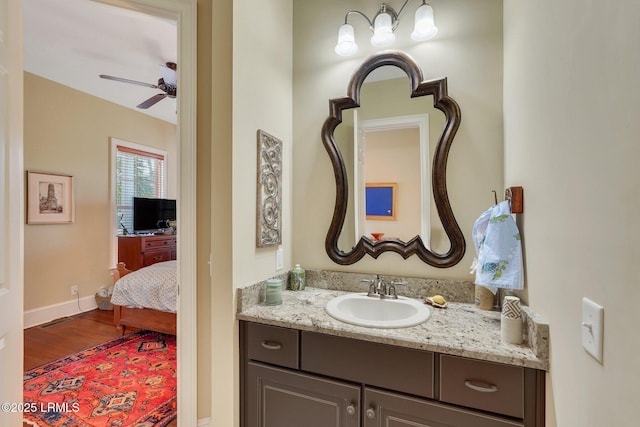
390	163
390	139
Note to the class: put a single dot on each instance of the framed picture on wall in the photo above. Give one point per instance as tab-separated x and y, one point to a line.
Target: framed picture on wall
380	200
49	198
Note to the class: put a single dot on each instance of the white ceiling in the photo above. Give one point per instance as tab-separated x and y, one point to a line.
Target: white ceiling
73	41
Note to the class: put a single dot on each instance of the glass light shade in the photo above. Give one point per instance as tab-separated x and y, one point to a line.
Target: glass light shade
346	41
382	31
425	28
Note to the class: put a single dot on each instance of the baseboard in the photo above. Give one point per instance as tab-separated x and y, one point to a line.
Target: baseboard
204	422
38	316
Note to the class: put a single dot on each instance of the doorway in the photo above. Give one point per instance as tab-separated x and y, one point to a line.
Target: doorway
184	13
378	140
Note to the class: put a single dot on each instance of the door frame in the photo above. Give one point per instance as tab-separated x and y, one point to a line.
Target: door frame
11	211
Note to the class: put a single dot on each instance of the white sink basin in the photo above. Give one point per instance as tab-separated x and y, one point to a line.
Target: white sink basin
361	310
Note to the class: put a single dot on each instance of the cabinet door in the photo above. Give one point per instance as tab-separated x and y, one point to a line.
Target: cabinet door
384	409
280	398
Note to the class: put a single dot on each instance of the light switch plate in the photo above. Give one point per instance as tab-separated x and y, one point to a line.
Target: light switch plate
279	259
592	328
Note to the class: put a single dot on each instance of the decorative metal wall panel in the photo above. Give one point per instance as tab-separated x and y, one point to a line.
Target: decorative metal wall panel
269	194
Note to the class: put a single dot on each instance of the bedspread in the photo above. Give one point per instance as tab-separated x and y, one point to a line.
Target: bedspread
154	287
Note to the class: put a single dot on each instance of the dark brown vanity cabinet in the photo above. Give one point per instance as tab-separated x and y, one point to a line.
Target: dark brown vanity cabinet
294	378
280	398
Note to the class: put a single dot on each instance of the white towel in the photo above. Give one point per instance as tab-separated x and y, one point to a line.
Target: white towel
498	262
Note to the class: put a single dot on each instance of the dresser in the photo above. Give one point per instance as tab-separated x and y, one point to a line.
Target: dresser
140	251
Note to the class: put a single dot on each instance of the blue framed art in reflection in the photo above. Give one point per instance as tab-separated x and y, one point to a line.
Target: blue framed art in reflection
380	201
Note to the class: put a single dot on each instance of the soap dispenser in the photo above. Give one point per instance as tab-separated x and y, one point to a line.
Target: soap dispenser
297	278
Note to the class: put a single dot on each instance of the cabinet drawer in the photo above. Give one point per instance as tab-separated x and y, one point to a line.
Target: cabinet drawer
483	385
272	344
396	368
151	257
159	243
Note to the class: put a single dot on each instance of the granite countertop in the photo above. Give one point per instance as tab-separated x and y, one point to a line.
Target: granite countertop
460	329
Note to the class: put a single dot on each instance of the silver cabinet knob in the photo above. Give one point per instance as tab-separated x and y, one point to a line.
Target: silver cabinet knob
351	410
371	413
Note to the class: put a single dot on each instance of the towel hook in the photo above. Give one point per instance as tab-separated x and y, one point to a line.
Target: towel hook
515	195
495	197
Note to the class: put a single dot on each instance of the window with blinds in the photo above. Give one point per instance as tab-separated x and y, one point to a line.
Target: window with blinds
138	173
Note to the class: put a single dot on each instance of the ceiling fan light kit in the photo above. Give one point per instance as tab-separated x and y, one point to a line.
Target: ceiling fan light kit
167	83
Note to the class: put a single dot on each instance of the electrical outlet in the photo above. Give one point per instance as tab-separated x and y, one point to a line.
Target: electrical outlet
74	290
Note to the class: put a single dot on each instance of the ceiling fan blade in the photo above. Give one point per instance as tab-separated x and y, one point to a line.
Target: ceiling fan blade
133	82
151	101
168	74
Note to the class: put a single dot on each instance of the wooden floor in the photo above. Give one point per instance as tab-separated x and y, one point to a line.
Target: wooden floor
53	340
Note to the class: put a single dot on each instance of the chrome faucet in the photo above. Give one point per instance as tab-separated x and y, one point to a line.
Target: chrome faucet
381	287
372	287
377	287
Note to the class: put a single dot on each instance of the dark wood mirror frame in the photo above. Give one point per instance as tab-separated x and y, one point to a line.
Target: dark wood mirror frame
451	110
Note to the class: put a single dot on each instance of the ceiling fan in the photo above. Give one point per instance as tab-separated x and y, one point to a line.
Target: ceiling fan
167	83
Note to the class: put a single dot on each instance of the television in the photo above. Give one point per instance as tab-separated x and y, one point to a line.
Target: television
152	215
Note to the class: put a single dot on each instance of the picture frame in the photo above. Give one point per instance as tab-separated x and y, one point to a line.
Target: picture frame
269	191
50	198
381	201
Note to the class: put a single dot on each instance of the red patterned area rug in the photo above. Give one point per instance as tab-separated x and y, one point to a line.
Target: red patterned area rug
129	381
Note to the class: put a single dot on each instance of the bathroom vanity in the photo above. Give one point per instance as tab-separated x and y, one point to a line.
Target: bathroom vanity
300	367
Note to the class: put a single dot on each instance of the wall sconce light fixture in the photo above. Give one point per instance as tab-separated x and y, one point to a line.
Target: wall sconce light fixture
383	25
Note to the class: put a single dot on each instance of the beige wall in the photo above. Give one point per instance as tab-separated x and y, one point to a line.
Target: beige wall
251	74
204	221
468	51
223	362
571	139
262	99
67	132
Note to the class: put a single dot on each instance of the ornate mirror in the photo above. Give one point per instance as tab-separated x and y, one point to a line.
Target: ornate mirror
367	200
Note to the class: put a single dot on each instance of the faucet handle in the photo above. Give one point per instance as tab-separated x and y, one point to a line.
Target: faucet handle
372	287
392	288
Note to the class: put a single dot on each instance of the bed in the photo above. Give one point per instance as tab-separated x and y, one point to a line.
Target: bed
146	298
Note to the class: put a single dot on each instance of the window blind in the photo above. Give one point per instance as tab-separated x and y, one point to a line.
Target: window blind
138	174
